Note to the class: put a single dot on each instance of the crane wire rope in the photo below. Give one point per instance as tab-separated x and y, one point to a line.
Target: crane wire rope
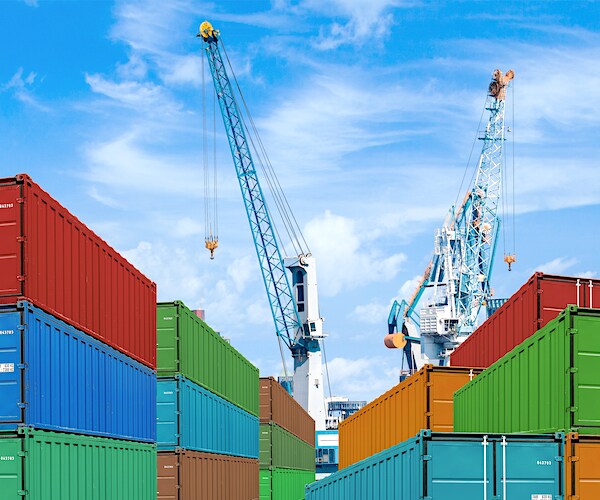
286	214
514	242
216	206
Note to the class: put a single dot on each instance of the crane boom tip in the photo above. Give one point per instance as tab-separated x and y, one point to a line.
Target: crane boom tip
207	31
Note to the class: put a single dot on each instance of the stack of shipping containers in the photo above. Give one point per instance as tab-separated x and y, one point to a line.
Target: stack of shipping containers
77	358
536	398
207	411
287	444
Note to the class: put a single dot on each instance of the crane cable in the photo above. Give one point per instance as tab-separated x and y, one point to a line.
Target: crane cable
284	210
211	220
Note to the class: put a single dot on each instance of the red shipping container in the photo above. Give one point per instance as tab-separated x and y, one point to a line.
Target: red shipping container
536	303
50	258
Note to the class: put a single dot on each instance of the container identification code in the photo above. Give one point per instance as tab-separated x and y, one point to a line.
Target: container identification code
7	367
541	497
7	332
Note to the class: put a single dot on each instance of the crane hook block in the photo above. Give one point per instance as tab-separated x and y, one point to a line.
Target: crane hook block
211	244
206	31
510	259
394	340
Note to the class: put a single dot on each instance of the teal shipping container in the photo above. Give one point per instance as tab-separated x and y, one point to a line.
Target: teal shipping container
191	417
44	465
449	466
187	346
548	383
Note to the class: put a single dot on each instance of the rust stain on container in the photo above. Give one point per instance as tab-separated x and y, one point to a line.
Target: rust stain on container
50	258
582	474
277	406
536	303
422	401
191	475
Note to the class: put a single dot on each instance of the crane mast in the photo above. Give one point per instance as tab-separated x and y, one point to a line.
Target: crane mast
294	307
464	248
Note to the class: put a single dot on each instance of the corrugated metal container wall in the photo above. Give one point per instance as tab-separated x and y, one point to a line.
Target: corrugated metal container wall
276	405
548	383
191	417
422	401
55	377
280	448
284	484
536	303
53	260
453	467
190	475
188	346
582	474
42	465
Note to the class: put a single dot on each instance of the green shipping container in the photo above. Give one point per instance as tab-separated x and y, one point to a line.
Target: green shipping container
187	346
549	383
284	484
42	465
280	448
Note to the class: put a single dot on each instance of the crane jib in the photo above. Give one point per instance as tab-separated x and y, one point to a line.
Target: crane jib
273	271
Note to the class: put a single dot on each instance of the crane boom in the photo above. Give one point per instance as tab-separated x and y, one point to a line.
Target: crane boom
294	307
459	272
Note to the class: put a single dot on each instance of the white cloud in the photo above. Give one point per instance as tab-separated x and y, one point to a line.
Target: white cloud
557	266
186	227
373	313
31	3
362	378
21	89
242	271
344	258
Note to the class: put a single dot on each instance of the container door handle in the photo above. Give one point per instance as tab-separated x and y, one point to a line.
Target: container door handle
484	446
504	467
578	285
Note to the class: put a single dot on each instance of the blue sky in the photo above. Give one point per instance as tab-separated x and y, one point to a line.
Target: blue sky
368	110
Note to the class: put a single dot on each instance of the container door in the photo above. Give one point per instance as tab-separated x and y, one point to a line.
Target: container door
585	381
11	468
528	470
455	469
10	375
167	414
168	476
587	472
167	338
10	248
556	294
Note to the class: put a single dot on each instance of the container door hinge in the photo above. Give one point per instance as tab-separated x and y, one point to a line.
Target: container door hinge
574	459
21	200
21	366
20	278
21	239
573	369
573	331
426	458
22	493
22	405
21	453
573	409
558	459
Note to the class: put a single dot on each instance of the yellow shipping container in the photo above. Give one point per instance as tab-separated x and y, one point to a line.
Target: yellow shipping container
582	474
422	401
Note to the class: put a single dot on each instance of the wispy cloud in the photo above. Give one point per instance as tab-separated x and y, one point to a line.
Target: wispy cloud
20	87
557	266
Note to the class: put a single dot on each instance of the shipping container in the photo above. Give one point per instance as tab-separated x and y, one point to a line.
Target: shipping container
54	261
548	383
284	484
191	417
43	465
453	467
422	401
277	406
191	475
582	473
280	448
536	303
55	377
187	346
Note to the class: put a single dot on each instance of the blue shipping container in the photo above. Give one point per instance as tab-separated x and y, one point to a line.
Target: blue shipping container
448	466
54	377
193	418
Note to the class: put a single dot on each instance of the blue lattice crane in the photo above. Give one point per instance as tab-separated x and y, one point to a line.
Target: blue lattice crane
294	305
464	248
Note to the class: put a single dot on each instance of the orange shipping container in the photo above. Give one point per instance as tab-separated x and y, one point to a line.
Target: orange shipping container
582	474
422	401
